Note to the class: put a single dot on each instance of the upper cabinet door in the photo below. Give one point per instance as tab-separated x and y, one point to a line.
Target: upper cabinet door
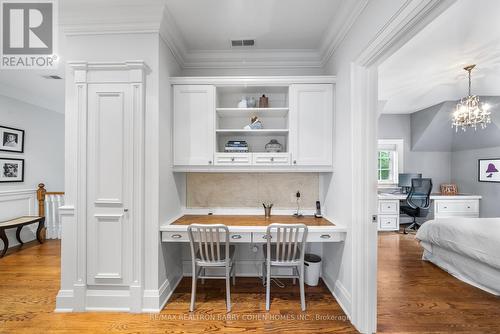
194	114
311	126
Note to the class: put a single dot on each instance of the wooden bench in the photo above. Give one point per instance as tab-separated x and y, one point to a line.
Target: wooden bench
19	223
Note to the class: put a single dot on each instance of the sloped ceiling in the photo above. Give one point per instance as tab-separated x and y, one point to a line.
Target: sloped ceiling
431	129
428	69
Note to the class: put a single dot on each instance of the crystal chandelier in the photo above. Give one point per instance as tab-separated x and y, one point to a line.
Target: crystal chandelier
469	113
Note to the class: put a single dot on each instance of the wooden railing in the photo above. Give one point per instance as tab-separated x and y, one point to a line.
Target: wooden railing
48	205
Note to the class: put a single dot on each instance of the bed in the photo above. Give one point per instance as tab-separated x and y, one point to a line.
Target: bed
467	248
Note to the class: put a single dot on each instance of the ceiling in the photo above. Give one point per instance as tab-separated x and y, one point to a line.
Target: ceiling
428	69
288	33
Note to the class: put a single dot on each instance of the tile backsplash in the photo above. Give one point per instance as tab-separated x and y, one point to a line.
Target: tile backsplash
213	190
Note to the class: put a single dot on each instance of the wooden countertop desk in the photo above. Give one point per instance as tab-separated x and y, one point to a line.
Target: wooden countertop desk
252	228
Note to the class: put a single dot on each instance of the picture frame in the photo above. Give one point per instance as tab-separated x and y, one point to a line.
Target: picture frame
11	170
11	139
488	170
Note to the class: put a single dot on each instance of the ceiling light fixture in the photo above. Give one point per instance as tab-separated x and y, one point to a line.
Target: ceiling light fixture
469	113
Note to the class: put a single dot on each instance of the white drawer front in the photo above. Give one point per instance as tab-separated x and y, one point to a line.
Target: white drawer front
240	237
388	207
234	237
233	159
174	236
389	223
260	237
457	206
271	158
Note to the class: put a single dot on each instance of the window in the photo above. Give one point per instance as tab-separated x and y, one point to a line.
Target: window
390	161
386	166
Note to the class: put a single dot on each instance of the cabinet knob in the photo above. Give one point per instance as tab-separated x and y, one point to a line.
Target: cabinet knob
272	158
295	162
125	210
209	162
232	158
236	236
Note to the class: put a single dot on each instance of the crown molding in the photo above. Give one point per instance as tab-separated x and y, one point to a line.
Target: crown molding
282	58
158	19
412	16
340	27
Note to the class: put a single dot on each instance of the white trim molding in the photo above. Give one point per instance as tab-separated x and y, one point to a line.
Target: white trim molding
77	293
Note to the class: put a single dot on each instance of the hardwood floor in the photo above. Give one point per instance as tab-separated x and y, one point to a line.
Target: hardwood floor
29	281
414	297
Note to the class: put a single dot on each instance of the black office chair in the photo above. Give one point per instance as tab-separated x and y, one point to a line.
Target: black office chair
418	201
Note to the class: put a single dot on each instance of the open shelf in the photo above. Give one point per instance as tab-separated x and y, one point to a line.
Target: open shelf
248	112
268	132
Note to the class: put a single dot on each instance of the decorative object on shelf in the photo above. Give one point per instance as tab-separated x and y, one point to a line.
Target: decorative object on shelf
243	103
11	170
449	189
263	101
273	146
488	170
255	124
267	209
469	113
236	146
11	140
251	102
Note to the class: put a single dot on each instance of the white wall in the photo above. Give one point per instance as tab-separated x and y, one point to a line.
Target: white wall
171	185
43	147
341	201
436	165
464	174
43	157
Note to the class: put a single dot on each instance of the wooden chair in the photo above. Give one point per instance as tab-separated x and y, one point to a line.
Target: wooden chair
210	248
286	250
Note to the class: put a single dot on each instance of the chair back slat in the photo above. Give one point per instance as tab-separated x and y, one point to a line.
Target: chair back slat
205	240
287	242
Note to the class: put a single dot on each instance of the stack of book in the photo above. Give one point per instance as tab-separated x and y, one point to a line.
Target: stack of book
238	146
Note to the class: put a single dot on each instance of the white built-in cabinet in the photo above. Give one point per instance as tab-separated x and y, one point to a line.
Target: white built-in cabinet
193	124
311	110
299	116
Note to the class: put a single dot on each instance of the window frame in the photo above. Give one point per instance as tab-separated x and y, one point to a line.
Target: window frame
396	149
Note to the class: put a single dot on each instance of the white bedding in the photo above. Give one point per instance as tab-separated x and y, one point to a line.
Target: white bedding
477	238
467	248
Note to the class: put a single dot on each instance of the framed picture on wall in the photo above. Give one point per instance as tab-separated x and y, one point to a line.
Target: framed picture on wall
11	140
11	170
488	170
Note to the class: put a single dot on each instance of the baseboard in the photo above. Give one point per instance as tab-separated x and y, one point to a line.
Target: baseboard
165	296
155	300
64	301
340	293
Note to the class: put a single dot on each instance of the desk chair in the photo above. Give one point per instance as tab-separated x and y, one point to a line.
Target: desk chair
210	249
286	243
418	201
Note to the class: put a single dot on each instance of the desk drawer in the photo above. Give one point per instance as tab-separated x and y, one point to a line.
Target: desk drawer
457	207
271	159
259	237
388	223
233	158
388	207
182	236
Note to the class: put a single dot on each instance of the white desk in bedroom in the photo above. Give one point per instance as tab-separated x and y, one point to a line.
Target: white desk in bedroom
462	205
